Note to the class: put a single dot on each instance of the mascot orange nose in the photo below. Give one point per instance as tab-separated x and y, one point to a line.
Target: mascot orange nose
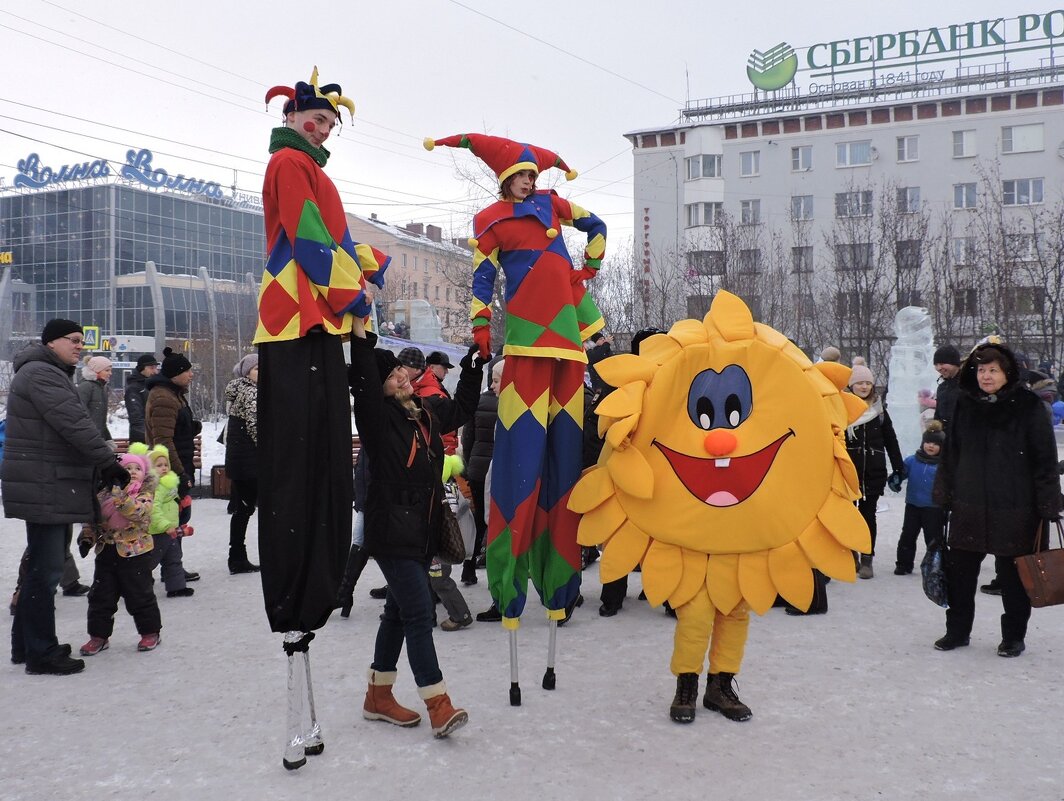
720	442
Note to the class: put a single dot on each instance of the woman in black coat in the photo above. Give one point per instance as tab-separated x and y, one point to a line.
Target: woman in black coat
1000	482
241	460
478	445
403	515
870	441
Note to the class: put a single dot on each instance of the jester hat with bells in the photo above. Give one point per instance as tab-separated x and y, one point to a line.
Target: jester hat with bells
505	156
306	96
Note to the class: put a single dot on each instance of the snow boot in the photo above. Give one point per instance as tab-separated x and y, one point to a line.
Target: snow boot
443	716
381	704
865	569
94	646
720	696
686	698
238	560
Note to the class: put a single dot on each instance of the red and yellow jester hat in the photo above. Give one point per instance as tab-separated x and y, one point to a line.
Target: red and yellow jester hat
505	156
305	96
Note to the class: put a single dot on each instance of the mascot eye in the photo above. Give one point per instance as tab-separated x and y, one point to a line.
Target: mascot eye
728	391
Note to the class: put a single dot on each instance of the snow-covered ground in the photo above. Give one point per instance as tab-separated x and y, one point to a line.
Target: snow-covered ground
854	704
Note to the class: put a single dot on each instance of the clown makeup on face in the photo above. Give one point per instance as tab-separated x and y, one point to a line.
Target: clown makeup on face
519	186
314	125
161	465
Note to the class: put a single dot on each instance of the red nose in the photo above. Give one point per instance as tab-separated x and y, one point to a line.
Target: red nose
720	442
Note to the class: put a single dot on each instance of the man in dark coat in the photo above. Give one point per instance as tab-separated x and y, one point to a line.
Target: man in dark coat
136	397
53	458
478	445
1000	481
947	361
601	348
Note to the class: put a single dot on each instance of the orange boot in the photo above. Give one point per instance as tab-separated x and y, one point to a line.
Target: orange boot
381	704
443	716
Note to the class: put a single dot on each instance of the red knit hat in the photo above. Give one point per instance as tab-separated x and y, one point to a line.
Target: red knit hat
505	156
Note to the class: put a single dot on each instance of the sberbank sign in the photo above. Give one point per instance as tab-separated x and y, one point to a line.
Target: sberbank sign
777	66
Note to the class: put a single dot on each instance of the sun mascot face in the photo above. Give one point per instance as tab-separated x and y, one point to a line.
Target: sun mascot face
724	465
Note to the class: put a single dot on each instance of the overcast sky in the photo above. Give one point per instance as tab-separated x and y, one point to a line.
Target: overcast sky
573	77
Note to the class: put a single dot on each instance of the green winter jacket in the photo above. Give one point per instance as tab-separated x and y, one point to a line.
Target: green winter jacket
164	512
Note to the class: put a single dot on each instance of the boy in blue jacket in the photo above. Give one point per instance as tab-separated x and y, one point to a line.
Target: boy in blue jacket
920	511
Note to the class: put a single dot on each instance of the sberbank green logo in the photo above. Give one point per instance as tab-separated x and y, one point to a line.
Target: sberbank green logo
773	69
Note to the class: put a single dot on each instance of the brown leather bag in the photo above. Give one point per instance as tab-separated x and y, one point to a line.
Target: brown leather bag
1042	572
452	546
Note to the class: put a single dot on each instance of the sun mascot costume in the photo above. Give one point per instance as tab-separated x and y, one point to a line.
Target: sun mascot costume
724	473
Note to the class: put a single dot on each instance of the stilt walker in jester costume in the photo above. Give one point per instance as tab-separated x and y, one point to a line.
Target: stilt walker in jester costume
537	459
315	282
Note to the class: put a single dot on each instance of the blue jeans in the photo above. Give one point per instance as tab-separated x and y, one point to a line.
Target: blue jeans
408	612
33	630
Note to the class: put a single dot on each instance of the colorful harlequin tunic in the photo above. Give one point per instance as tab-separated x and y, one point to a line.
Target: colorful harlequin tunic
537	458
313	283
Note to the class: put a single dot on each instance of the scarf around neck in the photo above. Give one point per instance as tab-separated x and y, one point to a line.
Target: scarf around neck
282	137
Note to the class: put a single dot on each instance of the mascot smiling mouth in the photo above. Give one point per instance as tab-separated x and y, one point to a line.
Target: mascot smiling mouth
727	481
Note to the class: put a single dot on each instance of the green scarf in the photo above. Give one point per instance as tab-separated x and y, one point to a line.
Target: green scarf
285	137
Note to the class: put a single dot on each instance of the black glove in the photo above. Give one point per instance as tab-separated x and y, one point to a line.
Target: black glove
114	475
184	484
473	360
894	481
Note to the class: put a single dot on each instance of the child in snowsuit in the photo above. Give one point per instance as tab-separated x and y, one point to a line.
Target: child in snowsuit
920	511
166	530
124	559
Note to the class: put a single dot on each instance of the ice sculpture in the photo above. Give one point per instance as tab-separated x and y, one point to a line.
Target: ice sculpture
912	375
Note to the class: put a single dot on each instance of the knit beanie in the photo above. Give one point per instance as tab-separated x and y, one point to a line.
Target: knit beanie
947	354
861	373
246	365
174	364
934	433
154	453
830	354
386	362
94	366
127	459
54	329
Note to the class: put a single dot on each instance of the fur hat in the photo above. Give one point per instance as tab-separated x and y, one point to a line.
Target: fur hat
94	366
505	156
174	364
861	373
947	354
54	329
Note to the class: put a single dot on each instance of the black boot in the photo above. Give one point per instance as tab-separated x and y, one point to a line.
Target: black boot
720	696
469	573
356	562
238	561
686	699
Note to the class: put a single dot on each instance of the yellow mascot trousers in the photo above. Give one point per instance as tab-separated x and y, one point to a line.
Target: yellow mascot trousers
697	621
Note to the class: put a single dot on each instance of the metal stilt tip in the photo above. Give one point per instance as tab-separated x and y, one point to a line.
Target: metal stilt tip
515	694
549	679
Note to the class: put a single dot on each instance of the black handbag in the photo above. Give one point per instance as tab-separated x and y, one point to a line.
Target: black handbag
452	545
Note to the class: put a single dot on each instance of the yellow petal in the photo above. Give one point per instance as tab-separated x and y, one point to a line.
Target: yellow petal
693	578
855	407
624	401
624	551
771	337
598	525
841	518
624	368
619	431
792	574
731	317
837	374
849	476
825	554
754	581
689	332
722	581
662	568
795	353
592	490
631	472
659	348
821	382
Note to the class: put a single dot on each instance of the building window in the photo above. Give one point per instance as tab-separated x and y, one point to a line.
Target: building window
802	158
1024	247
908	297
907	254
802	207
853	204
853	154
963	248
857	256
806	305
964	302
750	163
413	289
704	214
1021	192
437	292
1023	138
853	304
704	166
448	294
964	196
963	144
908	148
705	262
1025	299
802	259
750	212
909	200
404	260
750	260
